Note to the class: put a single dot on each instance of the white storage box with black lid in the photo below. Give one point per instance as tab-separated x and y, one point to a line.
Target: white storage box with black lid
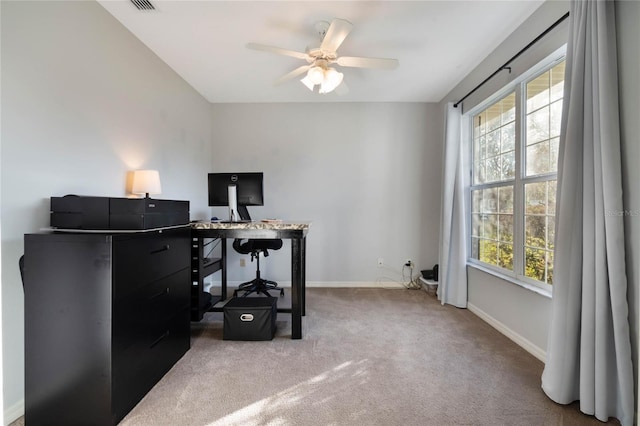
250	318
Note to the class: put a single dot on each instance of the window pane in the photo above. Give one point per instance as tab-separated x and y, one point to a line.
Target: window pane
551	232
482	147
508	108
536	198
535	264
493	169
505	199
476	225
557	82
538	126
479	173
493	117
538	159
555	117
508	165
476	201
551	198
491	226
536	231
493	136
478	124
490	200
493	143
505	256
553	154
488	252
508	138
505	228
538	92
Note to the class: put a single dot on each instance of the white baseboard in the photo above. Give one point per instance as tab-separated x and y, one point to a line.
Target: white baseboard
355	284
13	413
337	284
517	338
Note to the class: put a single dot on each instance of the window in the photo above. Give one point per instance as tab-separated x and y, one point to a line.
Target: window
514	170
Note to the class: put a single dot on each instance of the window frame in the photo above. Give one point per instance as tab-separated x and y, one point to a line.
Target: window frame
518	86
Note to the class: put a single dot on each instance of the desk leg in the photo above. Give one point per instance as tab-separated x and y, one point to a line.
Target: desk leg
297	288
303	269
223	264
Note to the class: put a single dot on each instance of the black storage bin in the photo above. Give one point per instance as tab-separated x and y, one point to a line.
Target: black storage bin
250	318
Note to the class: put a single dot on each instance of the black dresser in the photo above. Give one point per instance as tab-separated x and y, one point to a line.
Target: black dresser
106	316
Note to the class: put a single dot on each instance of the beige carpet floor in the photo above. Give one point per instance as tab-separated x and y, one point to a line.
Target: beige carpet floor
367	357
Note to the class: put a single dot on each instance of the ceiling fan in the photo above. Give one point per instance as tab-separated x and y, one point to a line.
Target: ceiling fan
320	59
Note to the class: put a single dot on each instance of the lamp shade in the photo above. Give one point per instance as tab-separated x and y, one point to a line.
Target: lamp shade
308	83
316	75
146	182
332	79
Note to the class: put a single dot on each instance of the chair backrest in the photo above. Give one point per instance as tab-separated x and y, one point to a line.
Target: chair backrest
245	246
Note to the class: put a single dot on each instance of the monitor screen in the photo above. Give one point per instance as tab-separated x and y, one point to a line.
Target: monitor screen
248	188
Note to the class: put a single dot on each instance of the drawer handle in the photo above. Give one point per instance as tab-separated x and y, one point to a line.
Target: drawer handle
159	339
159	294
160	250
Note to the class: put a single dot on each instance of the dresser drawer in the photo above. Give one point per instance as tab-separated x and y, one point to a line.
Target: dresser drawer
139	367
143	313
147	258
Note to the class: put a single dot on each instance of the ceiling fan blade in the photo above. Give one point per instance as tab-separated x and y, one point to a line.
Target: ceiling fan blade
353	61
292	74
278	50
337	32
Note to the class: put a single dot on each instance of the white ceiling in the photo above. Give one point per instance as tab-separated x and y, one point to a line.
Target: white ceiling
437	44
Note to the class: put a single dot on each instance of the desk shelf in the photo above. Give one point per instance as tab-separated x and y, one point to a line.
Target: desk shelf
201	268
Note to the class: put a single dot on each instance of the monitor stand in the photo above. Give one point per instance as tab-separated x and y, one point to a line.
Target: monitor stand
244	214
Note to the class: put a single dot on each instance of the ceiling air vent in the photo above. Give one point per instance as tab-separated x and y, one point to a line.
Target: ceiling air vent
143	4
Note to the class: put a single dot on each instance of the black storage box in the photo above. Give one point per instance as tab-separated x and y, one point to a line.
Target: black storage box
83	212
250	318
147	213
80	212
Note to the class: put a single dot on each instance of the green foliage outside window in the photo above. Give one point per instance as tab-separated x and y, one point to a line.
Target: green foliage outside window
538	263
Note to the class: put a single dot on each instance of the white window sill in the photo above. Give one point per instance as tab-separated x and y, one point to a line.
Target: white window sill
541	291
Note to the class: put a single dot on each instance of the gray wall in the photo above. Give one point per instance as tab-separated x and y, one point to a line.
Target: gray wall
366	175
83	102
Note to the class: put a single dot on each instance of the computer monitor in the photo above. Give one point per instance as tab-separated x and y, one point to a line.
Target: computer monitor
248	190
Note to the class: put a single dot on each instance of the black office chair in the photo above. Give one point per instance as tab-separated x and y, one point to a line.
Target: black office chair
254	247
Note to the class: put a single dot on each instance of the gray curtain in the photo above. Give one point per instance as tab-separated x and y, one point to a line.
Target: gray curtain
589	346
452	280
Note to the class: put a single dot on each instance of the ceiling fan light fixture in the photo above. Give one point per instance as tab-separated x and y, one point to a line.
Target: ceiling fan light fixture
308	83
332	79
316	75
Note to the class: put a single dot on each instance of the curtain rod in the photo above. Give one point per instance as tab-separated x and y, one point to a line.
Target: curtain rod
506	64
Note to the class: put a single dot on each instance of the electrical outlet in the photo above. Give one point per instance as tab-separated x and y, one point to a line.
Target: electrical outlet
243	262
409	263
380	262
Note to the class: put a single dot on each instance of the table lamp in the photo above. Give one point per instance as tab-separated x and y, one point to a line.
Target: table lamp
146	182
